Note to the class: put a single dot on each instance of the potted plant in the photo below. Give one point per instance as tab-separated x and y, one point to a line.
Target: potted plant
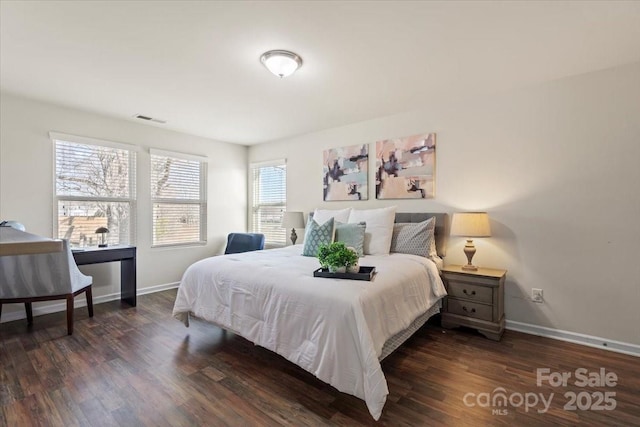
337	257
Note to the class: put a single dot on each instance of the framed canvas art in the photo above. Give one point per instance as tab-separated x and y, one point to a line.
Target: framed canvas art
345	173
405	167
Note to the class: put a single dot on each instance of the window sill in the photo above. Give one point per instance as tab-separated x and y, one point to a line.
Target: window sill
179	245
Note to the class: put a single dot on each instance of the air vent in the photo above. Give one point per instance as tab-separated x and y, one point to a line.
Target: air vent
149	119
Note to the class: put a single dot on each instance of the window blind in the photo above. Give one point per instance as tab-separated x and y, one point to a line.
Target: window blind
94	187
269	200
178	195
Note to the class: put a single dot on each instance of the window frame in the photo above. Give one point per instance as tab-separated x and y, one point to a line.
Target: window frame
253	206
132	190
201	201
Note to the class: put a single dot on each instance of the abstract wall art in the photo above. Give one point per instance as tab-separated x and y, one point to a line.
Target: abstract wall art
345	173
405	167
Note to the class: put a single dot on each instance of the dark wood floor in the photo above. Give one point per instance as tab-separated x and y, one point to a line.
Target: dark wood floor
139	366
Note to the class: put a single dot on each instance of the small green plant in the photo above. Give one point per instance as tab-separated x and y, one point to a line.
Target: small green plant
336	255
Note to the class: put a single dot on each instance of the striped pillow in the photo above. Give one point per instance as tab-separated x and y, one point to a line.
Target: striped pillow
414	238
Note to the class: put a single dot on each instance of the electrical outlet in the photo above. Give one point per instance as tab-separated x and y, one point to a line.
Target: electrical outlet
536	295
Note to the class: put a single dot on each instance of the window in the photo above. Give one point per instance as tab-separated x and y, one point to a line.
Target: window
269	200
179	198
94	187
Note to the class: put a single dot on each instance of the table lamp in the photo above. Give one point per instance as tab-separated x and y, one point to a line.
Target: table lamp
102	231
293	220
470	224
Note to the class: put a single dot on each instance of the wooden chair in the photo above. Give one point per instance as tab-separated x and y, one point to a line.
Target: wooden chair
43	277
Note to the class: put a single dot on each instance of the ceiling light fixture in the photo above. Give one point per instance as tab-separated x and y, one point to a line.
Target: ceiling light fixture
282	63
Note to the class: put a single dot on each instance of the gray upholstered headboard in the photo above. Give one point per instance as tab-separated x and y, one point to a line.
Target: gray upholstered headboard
442	226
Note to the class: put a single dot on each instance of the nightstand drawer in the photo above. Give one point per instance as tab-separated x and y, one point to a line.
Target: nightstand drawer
470	309
471	292
457	277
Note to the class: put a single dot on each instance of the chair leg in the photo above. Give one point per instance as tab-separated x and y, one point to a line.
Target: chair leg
70	314
89	296
29	310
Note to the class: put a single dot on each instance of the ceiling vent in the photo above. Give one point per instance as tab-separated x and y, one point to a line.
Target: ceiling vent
149	119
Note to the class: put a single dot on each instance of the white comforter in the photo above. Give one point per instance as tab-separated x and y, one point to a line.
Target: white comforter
334	329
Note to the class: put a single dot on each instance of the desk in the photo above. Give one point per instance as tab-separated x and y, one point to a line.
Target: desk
127	257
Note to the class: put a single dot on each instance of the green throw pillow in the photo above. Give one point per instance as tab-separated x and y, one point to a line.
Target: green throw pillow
316	235
352	235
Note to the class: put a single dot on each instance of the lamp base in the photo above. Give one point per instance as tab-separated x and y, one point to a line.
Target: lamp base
469	251
293	236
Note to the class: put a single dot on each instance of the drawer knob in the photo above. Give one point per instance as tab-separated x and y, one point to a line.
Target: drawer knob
464	308
472	293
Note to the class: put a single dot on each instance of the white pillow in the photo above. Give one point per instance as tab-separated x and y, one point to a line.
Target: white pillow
377	236
323	215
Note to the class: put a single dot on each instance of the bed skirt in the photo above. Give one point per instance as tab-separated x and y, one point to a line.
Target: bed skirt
396	341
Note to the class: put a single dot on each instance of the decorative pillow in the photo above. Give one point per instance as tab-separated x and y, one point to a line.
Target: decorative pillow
433	251
352	235
414	238
316	235
377	236
322	215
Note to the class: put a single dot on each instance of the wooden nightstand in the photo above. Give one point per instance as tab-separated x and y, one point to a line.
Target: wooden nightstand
476	300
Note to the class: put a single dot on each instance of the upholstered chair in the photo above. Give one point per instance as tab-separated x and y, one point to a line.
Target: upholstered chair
43	277
244	242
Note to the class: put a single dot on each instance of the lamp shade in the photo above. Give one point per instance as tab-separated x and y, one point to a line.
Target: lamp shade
470	224
293	220
282	63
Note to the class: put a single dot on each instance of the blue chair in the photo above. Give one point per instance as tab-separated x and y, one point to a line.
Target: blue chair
244	242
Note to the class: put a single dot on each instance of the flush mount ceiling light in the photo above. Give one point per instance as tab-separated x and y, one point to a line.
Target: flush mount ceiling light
282	63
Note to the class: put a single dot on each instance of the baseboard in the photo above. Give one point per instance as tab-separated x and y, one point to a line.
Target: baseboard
80	302
587	340
157	288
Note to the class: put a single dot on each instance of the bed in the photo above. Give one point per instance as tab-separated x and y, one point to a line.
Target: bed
338	330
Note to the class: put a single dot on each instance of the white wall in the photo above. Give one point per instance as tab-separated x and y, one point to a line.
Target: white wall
26	185
557	166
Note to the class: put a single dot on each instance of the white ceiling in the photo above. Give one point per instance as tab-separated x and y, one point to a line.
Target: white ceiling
196	64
